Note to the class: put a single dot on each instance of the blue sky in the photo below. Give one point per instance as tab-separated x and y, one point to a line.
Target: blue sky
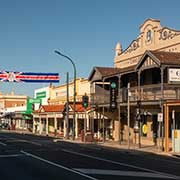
85	30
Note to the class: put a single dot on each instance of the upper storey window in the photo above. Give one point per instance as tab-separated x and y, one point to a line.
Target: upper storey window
148	36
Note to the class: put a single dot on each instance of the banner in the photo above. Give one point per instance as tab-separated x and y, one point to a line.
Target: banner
9	76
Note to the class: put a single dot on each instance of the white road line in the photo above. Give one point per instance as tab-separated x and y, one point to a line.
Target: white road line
25	141
3	144
10	155
58	165
122	173
122	164
35	143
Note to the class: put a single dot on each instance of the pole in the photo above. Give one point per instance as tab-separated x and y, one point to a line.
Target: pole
85	125
74	102
67	107
162	108
174	127
128	119
103	112
119	110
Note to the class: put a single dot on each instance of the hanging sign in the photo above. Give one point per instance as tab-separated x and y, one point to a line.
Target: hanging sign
29	77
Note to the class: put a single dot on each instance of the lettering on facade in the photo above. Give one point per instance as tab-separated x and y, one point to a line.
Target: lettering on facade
133	46
167	33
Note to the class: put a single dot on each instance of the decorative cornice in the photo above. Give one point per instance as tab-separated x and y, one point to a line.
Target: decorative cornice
132	47
167	33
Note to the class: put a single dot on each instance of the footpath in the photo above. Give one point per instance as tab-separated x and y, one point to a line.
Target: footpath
132	148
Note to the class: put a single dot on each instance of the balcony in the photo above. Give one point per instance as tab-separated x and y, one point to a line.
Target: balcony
147	93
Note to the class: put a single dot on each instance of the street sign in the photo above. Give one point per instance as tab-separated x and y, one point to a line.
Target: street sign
160	117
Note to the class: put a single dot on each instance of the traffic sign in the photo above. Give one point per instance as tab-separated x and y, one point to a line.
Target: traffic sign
160	117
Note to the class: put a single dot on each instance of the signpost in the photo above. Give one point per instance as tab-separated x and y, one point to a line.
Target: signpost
160	120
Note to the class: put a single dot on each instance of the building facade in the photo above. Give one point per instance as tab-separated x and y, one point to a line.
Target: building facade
10	106
51	116
146	75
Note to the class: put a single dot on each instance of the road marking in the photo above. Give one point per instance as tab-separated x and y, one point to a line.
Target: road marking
57	165
25	141
10	155
122	164
3	144
122	173
35	143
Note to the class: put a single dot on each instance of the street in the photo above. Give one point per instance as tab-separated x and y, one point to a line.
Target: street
43	158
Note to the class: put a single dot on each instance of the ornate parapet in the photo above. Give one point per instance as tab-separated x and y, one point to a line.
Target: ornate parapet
167	33
133	46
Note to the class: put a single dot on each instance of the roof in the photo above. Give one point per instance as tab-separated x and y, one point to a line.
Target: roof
103	72
61	108
107	71
168	58
53	108
79	107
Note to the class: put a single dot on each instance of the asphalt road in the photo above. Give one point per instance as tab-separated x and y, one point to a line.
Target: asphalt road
31	157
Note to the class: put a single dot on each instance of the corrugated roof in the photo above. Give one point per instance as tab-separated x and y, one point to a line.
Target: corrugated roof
108	71
79	107
53	108
168	58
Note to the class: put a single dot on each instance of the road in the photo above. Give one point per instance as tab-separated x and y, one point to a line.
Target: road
30	157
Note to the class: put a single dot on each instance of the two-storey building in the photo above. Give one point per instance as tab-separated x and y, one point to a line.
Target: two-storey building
147	77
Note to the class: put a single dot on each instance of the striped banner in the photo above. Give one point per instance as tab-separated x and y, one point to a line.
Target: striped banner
9	76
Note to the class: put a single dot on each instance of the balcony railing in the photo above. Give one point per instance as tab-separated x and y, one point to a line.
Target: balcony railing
147	93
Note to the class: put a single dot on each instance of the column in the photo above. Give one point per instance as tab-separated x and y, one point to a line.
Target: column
92	122
65	127
166	122
116	130
55	125
76	126
161	104
40	126
87	121
47	125
33	125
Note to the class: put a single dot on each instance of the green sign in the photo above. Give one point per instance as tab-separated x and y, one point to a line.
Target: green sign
34	101
40	95
30	105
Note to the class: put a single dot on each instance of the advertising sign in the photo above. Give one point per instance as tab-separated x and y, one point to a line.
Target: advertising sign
174	75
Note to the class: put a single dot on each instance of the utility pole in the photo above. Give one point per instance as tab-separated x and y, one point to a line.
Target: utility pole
67	107
74	102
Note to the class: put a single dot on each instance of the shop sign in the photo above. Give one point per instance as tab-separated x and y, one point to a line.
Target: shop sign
40	95
174	75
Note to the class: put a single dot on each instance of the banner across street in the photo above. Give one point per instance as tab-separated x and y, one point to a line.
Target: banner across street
29	77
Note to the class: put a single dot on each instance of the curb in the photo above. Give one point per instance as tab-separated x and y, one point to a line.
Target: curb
133	150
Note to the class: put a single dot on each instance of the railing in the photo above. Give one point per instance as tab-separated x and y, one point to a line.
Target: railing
147	93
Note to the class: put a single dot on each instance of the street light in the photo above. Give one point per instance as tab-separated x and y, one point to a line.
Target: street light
74	103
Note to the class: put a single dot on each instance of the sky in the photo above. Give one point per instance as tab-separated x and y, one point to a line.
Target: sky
85	30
